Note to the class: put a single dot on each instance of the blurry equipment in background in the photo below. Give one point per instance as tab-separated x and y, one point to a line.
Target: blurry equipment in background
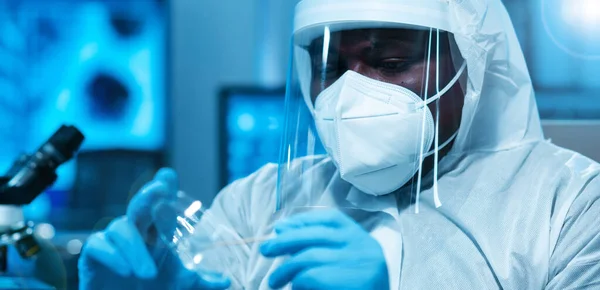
29	176
113	88
251	123
98	64
101	66
105	182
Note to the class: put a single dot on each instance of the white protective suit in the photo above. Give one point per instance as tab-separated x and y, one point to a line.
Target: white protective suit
518	212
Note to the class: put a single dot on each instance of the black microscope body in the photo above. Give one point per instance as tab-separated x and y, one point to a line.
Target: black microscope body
28	177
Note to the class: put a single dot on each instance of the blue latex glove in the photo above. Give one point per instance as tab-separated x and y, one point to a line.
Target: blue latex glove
328	251
129	255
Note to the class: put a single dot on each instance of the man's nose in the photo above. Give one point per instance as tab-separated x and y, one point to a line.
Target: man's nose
360	67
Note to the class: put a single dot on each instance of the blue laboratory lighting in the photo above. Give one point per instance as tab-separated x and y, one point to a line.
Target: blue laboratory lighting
562	41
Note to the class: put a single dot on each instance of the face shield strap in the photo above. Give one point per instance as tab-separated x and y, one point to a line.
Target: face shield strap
436	197
427	101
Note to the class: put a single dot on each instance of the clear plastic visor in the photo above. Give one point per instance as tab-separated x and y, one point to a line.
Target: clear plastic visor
367	108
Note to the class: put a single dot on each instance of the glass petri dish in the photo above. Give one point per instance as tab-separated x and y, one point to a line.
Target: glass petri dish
201	243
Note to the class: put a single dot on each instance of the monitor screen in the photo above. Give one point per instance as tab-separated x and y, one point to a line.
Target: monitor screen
251	127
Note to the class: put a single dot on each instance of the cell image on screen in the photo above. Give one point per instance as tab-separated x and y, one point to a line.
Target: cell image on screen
109	59
253	129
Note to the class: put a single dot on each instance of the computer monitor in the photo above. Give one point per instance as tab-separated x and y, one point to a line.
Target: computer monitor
251	124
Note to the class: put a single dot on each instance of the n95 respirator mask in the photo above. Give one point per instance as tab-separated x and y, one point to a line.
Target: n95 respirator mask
376	133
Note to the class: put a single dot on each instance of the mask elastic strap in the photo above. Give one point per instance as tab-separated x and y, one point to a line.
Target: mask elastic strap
421	153
439	93
441	147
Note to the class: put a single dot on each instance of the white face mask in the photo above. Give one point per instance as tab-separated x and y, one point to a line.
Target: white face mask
375	132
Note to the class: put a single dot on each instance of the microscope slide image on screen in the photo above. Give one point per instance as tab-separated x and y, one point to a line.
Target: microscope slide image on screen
98	65
103	72
252	120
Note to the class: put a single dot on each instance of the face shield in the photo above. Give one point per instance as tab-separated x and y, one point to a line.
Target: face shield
380	101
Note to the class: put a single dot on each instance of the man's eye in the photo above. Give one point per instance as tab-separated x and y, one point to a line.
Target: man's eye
393	65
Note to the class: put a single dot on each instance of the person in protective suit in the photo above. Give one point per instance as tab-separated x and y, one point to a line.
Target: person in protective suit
437	174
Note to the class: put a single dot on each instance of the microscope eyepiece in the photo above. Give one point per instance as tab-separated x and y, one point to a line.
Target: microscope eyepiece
62	145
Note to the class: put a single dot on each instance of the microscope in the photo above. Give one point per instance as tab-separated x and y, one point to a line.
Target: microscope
28	177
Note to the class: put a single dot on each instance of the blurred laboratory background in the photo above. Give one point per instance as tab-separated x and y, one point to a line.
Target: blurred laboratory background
199	86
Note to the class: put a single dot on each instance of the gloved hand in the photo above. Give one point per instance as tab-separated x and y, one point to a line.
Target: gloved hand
328	251
129	254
